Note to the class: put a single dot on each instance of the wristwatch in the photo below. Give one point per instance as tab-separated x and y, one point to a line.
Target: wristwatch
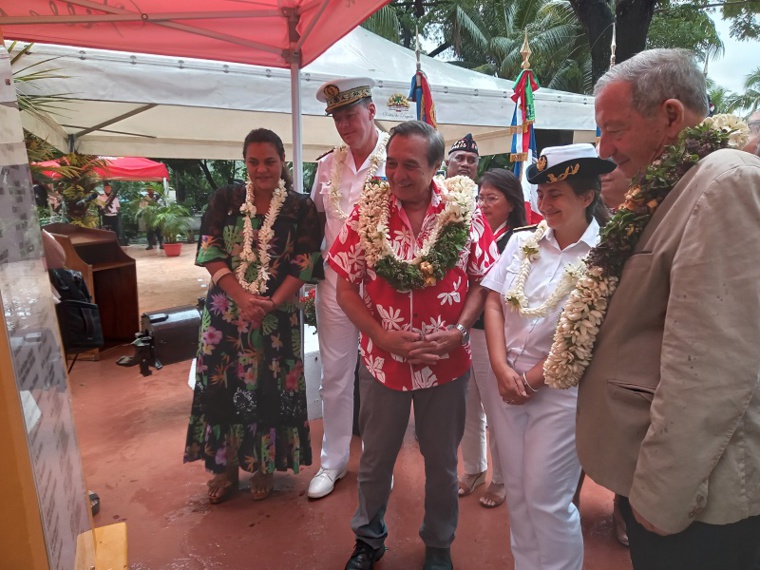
463	331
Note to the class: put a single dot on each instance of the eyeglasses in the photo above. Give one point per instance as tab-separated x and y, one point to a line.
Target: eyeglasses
487	199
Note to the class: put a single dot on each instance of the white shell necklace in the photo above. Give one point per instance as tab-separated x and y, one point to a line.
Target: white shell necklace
530	250
341	153
247	256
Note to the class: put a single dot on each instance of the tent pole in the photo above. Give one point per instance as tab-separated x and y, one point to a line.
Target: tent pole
295	105
293	56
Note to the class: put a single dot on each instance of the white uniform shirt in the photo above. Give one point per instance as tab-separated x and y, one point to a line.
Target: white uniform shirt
351	184
113	209
530	339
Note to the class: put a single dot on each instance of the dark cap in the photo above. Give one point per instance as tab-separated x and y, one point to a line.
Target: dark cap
466	143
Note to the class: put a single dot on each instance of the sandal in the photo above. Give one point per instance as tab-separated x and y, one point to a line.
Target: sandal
219	489
262	485
494	496
468	483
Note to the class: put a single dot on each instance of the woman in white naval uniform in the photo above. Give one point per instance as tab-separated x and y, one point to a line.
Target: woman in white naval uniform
534	425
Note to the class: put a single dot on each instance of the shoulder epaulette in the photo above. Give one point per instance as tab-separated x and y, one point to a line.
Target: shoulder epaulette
524	228
321	156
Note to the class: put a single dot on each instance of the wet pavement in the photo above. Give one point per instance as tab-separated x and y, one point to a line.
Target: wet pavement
131	433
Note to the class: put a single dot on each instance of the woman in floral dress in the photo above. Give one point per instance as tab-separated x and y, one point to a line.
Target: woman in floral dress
259	242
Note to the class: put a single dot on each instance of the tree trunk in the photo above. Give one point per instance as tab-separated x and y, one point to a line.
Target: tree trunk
633	19
207	174
440	49
596	18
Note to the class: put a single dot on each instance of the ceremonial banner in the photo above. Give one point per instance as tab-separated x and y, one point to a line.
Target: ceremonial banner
523	150
421	94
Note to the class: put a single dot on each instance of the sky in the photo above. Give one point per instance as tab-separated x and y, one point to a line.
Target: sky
740	59
729	70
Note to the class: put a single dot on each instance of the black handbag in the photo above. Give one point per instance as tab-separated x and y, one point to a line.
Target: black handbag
78	317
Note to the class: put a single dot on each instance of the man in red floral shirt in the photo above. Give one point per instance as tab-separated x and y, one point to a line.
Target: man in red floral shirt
419	247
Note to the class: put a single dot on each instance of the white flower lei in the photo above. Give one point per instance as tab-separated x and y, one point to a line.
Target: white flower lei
530	251
374	212
341	153
586	307
247	256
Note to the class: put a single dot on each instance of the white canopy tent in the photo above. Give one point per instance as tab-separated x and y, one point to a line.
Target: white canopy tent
165	107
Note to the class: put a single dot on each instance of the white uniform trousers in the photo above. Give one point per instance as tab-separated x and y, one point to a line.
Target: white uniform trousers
541	470
338	350
474	440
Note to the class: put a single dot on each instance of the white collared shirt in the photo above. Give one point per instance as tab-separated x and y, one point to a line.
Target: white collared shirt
529	339
351	184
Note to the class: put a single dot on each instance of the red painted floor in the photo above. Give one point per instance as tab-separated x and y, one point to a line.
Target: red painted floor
131	434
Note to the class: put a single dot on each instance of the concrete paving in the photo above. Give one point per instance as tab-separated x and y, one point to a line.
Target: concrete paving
131	433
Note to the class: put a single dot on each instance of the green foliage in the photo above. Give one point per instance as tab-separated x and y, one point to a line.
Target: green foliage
130	196
170	218
442	257
487	35
196	180
27	75
681	26
385	23
76	180
745	24
173	220
749	100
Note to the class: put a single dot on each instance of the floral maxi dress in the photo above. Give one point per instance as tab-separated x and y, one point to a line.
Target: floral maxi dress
250	391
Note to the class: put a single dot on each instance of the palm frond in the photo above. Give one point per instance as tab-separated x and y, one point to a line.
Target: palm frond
752	80
384	23
28	76
568	77
463	26
500	47
749	101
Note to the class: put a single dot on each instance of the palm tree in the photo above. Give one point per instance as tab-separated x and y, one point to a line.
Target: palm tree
749	101
27	75
487	36
76	180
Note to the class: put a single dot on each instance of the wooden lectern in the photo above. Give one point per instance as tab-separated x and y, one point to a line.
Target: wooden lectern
111	277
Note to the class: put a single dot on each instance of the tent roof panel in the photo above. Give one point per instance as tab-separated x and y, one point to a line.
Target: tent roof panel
208	103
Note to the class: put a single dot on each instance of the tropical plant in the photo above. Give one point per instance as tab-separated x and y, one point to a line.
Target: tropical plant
28	76
173	221
749	101
76	180
488	37
170	218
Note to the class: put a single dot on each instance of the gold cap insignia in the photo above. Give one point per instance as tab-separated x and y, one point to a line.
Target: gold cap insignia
331	91
541	164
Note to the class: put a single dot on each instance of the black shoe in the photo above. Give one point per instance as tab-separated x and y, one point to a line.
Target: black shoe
149	247
364	556
161	246
437	559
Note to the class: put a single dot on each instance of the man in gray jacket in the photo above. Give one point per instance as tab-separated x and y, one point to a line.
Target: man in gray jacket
669	408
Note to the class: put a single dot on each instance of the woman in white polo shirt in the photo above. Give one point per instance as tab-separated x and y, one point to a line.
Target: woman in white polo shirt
535	425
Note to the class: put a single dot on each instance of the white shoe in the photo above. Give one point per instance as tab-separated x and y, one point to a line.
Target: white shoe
324	481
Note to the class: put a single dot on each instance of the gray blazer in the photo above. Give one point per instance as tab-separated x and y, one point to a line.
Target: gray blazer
669	408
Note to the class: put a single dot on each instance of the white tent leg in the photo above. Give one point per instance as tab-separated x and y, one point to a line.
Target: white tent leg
295	105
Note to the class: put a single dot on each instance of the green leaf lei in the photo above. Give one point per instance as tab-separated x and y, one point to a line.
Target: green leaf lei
586	308
441	250
443	256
